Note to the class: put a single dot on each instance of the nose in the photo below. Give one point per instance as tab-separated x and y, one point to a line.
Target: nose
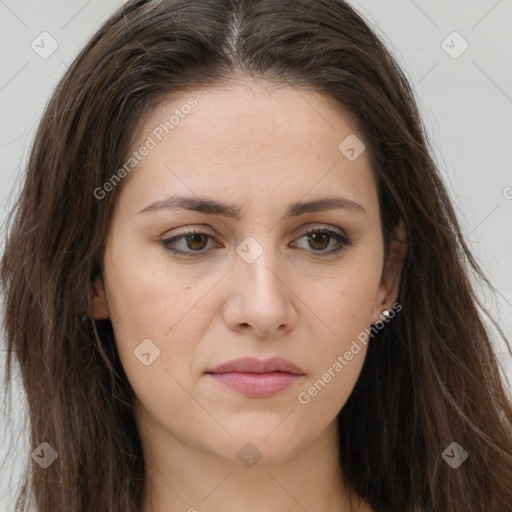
261	295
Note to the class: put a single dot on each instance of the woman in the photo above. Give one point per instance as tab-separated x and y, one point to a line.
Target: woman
235	280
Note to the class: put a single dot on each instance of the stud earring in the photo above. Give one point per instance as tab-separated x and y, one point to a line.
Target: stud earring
386	313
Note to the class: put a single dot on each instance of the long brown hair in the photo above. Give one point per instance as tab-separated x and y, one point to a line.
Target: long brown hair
430	377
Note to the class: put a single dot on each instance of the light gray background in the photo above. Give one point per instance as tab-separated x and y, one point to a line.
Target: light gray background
466	103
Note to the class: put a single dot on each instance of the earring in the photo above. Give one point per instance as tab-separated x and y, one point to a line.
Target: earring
386	313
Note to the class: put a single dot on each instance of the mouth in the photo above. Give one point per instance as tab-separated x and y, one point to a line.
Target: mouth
257	378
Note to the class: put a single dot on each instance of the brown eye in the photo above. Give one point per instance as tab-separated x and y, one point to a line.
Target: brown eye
192	243
196	242
319	241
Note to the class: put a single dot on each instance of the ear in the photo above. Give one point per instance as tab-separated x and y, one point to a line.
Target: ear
391	272
101	310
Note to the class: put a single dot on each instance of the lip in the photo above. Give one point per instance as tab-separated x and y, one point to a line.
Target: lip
255	365
257	378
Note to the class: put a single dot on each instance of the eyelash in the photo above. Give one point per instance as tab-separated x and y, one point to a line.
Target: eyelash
341	239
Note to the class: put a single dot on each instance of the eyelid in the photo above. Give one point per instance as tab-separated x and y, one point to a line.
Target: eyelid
186	232
342	238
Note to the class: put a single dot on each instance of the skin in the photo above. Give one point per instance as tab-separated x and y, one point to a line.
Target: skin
260	148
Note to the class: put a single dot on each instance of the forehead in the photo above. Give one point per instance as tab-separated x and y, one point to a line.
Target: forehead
249	139
250	114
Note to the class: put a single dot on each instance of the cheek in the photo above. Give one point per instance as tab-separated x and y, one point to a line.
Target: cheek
346	300
144	305
339	349
148	296
169	314
157	322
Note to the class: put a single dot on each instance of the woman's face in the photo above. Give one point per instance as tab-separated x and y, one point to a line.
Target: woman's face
253	283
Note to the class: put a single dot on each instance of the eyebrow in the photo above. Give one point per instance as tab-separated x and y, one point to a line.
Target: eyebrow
213	207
